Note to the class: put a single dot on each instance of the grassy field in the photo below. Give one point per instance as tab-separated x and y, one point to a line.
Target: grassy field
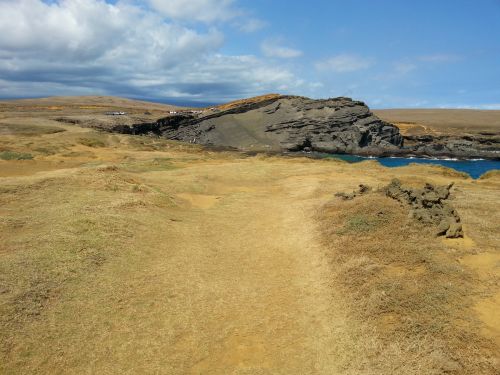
126	255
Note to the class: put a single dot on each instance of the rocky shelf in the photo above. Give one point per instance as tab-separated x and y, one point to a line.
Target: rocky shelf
292	123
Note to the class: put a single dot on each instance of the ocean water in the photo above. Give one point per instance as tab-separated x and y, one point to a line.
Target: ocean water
475	168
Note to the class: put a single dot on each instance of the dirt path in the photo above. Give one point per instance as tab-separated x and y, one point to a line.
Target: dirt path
260	288
255	299
231	281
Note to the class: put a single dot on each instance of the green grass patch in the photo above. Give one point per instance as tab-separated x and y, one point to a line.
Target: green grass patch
360	223
12	155
28	130
91	142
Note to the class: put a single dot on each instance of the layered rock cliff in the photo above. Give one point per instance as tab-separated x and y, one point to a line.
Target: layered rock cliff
285	123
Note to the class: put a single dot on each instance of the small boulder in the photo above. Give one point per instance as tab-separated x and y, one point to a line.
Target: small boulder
443	227
364	189
345	196
455	230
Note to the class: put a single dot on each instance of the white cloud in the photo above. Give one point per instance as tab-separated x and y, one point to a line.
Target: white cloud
196	10
439	58
250	25
495	106
124	49
272	48
344	63
490	106
404	67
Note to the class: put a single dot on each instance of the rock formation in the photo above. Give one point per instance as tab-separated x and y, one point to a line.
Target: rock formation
429	206
283	123
460	146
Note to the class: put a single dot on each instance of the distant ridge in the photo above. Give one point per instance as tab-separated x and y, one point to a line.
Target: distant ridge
90	100
240	102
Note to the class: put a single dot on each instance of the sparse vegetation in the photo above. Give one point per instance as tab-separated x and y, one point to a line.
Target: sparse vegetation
360	223
490	174
13	155
402	284
92	142
27	129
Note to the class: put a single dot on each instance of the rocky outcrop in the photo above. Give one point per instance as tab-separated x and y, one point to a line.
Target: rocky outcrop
429	206
292	123
461	146
284	123
338	125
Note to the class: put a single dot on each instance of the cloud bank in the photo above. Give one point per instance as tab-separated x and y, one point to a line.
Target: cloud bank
155	49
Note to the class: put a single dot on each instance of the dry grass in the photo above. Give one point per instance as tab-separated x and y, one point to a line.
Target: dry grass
240	102
495	174
406	287
27	129
91	142
150	256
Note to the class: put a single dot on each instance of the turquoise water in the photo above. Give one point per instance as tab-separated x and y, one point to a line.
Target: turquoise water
475	168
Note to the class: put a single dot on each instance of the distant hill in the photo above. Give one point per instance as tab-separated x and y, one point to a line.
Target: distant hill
93	102
442	121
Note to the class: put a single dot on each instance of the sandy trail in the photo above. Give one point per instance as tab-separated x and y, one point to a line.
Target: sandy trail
232	284
256	298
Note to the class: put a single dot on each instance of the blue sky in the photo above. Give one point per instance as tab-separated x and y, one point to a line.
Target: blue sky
386	53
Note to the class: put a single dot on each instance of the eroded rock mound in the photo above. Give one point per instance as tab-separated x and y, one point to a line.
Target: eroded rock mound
283	123
339	125
429	206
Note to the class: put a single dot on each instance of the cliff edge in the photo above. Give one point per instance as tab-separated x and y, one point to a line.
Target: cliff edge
283	123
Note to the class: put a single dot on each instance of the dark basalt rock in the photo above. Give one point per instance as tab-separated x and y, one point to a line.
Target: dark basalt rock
159	127
466	146
338	125
286	123
429	206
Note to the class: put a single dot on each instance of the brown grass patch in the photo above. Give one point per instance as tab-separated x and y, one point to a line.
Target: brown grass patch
495	174
28	129
256	99
402	283
92	142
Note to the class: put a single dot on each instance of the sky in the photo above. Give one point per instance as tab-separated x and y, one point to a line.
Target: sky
387	53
